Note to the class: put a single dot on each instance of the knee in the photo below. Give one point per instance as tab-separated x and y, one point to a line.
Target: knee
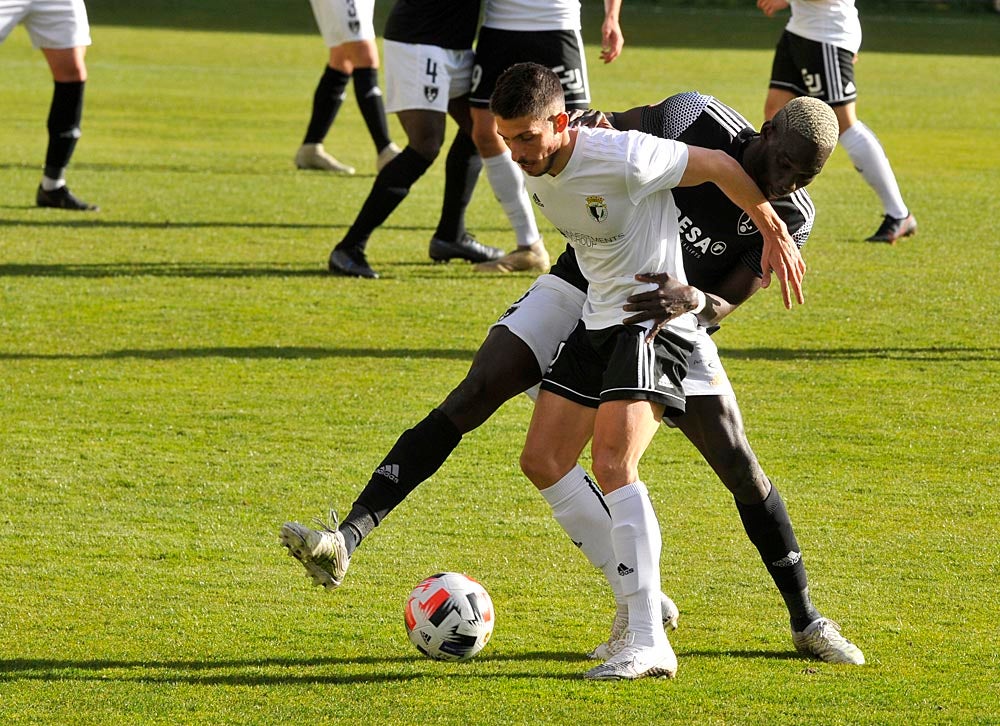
427	145
542	466
743	477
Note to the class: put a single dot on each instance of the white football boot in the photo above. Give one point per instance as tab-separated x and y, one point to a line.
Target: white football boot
314	156
322	552
822	639
620	626
633	662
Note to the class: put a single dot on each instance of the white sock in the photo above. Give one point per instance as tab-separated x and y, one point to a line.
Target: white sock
635	537
51	185
578	505
508	187
869	158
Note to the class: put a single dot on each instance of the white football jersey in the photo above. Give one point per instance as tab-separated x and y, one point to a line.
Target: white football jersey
827	21
613	204
532	15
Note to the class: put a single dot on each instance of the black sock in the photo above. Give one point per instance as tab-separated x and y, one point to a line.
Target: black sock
461	172
770	530
416	455
63	124
390	188
369	98
327	100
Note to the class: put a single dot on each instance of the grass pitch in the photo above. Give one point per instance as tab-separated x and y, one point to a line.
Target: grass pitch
179	375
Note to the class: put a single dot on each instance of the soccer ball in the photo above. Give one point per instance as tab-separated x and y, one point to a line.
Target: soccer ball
449	617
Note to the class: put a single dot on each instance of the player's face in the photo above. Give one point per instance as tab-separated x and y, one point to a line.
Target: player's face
789	162
533	142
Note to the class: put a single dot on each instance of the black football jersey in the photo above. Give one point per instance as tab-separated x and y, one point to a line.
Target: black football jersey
445	23
716	235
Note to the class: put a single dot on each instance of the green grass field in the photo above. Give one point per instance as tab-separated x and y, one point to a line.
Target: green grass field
179	375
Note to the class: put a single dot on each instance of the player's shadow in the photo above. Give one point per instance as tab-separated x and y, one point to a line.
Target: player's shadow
926	355
929	354
287	671
250	353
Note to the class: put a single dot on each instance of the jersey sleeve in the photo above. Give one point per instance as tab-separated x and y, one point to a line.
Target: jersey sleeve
797	211
653	164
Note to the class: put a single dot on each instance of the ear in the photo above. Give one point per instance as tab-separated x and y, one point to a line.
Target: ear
767	129
560	121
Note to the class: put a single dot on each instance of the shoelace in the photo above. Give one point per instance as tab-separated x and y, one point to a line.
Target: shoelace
324	523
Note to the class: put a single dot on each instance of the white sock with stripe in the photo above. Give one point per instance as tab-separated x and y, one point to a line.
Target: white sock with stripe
578	505
636	539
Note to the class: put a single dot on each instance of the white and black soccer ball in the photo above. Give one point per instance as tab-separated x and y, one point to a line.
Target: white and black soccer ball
449	616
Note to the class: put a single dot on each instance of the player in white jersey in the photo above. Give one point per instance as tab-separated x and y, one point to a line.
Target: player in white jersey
815	57
784	157
348	30
609	194
61	30
514	31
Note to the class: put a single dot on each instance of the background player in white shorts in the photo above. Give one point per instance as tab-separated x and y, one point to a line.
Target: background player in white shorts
815	57
347	29
515	31
520	346
428	72
61	30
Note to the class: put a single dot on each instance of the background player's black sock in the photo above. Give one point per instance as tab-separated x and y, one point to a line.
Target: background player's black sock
416	455
391	187
461	172
770	530
63	125
327	99
369	98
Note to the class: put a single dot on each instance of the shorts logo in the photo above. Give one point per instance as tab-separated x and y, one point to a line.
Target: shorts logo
430	93
597	207
571	79
536	200
813	81
354	26
746	226
717	248
850	88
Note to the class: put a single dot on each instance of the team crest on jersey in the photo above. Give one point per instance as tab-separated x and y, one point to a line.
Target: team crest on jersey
597	207
430	93
746	226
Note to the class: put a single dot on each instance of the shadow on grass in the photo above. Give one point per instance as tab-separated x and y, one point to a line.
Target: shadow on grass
216	672
251	353
927	355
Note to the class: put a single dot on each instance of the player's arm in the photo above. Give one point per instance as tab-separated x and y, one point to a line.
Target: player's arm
780	253
672	298
770	7
612	39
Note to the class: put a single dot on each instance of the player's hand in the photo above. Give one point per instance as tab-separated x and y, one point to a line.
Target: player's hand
669	300
612	40
781	256
590	119
770	7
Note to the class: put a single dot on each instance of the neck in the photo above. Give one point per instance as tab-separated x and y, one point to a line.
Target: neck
565	152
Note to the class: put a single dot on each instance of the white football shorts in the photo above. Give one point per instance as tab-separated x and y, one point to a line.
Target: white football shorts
548	312
545	316
424	77
52	24
344	21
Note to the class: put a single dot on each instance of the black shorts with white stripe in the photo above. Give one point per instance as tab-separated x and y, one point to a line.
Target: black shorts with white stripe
808	68
616	364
